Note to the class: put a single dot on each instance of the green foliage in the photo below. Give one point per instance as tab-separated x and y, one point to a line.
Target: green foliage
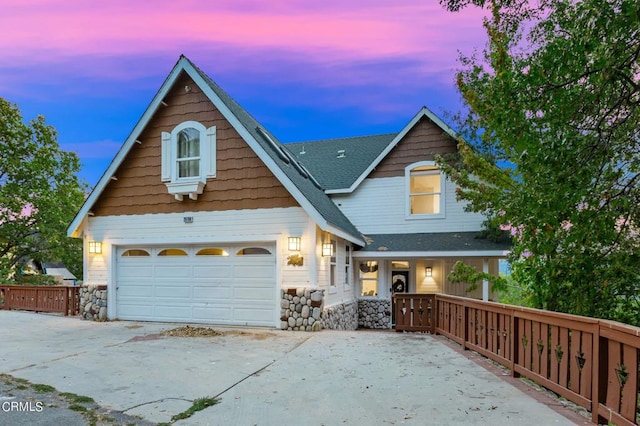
554	101
462	273
78	398
42	388
513	294
34	279
39	195
198	405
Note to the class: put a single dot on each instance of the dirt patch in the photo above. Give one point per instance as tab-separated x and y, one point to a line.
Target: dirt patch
188	331
145	337
133	327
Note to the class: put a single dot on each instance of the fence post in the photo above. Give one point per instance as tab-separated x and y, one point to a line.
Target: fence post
38	305
465	328
595	375
434	314
7	299
66	301
515	338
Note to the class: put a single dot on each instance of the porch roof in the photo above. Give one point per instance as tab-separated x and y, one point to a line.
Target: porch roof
433	244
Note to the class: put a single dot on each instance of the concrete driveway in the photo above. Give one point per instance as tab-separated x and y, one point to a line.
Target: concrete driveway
267	377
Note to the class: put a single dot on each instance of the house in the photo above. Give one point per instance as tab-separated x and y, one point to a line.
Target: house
33	269
59	272
204	216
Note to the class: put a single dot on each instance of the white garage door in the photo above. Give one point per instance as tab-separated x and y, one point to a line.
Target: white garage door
217	284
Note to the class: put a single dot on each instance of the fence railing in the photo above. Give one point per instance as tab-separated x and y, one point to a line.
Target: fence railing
593	363
61	299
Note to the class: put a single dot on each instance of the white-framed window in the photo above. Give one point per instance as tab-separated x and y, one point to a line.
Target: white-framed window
425	190
188	158
188	153
368	275
333	270
347	266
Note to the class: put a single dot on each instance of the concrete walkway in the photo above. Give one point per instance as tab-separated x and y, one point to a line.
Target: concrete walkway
263	376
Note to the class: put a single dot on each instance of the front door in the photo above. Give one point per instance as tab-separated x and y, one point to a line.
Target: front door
399	284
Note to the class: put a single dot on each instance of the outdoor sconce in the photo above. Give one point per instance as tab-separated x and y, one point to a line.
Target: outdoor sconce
428	272
95	247
294	243
327	249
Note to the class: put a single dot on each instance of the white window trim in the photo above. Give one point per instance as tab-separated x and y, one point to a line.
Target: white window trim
333	267
361	280
407	195
348	260
190	186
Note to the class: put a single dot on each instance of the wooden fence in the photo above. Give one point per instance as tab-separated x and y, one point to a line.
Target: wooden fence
592	362
61	299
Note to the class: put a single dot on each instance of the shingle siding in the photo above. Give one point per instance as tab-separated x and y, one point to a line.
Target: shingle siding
421	143
242	180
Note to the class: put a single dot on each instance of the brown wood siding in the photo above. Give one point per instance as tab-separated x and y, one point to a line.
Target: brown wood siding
419	144
242	180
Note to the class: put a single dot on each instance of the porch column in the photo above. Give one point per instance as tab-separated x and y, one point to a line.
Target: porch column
485	282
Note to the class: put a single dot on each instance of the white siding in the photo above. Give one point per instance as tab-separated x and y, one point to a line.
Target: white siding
340	293
300	276
225	226
378	206
96	268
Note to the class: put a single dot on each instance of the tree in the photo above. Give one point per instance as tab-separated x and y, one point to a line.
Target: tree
552	113
39	195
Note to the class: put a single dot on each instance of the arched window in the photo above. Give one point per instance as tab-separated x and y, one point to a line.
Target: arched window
251	251
135	253
425	185
211	251
188	158
172	252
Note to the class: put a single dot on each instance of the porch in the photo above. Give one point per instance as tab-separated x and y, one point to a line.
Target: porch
591	362
420	263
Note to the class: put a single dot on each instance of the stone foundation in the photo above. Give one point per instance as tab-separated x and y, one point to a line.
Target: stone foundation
93	302
341	317
374	313
301	309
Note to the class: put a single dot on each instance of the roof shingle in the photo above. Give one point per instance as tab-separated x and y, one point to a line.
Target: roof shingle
338	163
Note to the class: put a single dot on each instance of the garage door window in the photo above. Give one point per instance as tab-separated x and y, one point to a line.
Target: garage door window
252	251
135	253
172	252
212	251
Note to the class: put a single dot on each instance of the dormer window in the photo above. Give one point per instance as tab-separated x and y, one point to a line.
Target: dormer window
188	159
425	188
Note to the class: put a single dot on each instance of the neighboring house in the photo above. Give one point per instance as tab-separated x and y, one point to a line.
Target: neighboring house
60	273
203	216
57	270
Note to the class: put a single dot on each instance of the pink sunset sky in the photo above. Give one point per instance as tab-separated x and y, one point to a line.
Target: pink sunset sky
306	70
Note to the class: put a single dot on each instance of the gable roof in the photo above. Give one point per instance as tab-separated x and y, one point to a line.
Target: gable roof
294	177
338	163
362	154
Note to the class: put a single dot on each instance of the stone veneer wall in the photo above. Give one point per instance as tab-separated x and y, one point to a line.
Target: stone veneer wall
93	302
341	317
374	313
301	309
